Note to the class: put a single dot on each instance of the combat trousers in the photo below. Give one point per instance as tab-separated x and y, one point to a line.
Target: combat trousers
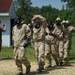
39	52
20	58
50	49
66	49
60	45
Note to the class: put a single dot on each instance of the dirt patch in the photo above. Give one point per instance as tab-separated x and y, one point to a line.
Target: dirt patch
8	67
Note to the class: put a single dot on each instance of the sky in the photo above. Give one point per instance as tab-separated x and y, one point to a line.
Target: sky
54	3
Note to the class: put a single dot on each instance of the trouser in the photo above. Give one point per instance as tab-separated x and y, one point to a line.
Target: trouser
60	46
66	50
20	57
51	49
39	52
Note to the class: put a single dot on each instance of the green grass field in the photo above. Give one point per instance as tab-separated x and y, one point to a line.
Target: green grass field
7	52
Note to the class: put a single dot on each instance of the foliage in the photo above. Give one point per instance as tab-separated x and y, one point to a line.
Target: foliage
49	13
27	11
70	4
64	14
8	53
24	8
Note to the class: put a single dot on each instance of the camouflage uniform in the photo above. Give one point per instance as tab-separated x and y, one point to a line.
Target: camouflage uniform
39	37
20	34
50	47
67	39
59	34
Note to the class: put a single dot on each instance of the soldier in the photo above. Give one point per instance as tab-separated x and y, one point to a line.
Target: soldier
21	36
2	29
59	37
50	45
39	24
67	38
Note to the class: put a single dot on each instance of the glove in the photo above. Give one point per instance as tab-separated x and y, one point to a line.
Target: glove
46	33
52	34
26	42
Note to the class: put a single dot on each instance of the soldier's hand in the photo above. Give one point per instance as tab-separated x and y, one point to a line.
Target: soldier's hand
22	48
4	27
50	33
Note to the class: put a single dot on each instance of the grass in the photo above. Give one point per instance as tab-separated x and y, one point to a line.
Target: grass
72	51
7	52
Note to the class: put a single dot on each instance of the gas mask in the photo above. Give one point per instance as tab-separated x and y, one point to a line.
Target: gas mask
65	25
50	26
58	22
37	25
18	20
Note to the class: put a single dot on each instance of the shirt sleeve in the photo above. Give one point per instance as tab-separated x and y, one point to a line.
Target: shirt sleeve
1	29
28	32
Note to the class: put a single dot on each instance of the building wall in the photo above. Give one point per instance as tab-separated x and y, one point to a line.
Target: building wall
5	18
5	35
12	12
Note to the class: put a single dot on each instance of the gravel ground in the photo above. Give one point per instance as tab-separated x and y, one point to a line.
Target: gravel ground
7	67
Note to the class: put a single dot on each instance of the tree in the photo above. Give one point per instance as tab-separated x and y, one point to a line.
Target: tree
64	14
49	13
70	4
71	15
23	8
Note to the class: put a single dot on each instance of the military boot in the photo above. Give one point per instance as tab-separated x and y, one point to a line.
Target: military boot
61	63
40	68
28	70
57	63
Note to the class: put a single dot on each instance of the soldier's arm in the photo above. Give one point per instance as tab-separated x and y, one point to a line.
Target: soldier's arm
28	32
43	20
73	28
13	33
61	35
28	35
33	19
58	35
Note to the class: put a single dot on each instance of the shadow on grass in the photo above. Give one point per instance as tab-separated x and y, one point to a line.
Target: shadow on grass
44	72
6	58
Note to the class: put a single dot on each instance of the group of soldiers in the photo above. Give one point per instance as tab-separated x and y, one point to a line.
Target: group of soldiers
49	39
